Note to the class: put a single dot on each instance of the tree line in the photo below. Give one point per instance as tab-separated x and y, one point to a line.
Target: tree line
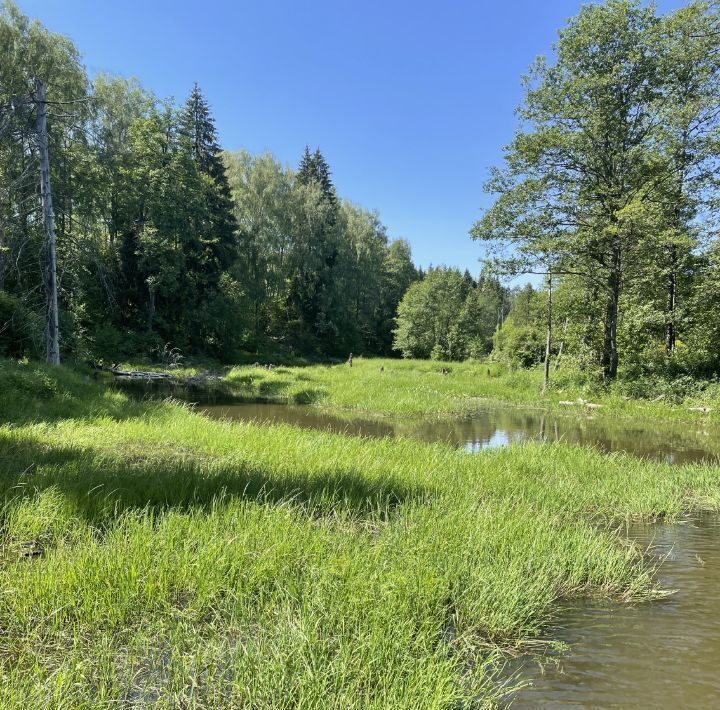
164	239
608	194
609	189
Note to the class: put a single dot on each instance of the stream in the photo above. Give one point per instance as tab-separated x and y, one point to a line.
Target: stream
660	654
499	426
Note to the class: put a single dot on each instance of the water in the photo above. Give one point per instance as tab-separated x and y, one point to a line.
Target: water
661	654
499	426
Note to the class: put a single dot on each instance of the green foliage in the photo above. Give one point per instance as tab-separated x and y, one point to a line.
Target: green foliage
163	238
606	180
521	339
447	316
21	330
320	273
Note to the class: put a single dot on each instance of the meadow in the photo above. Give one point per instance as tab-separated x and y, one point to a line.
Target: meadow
150	556
391	387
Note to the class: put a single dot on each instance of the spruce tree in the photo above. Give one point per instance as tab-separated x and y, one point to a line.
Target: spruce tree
312	294
314	169
218	230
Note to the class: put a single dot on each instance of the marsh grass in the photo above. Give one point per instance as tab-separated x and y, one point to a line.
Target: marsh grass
150	556
384	387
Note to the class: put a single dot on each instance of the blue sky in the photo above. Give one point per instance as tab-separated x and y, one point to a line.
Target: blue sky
410	102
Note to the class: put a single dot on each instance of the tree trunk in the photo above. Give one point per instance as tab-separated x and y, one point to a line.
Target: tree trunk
560	349
670	332
3	257
52	328
151	311
610	354
548	339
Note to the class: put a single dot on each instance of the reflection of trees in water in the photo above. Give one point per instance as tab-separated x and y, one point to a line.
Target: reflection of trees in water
661	441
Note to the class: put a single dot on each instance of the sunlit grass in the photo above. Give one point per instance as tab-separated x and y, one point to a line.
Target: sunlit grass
423	387
150	556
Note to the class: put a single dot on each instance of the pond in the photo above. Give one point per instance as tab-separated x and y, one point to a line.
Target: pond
498	426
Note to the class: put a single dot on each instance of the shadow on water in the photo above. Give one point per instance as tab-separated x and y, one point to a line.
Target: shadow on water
662	654
246	389
499	426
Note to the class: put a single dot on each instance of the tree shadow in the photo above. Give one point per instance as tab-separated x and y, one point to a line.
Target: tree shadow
33	392
99	487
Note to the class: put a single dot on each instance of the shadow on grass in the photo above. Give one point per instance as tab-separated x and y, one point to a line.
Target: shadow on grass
34	392
279	389
100	488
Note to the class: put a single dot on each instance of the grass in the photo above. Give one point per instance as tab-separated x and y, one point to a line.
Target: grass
387	387
149	556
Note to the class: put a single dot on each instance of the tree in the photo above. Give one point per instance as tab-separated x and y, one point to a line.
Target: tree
358	278
609	177
444	316
316	233
574	176
397	275
263	202
521	339
28	51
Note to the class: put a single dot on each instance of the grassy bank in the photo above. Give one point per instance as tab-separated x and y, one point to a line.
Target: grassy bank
417	387
150	555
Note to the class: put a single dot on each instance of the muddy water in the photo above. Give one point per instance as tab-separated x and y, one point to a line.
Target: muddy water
499	426
662	654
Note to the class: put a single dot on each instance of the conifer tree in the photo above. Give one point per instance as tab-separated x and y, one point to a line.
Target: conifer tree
312	294
217	232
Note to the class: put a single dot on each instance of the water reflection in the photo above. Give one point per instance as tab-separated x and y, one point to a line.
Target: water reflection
663	654
500	426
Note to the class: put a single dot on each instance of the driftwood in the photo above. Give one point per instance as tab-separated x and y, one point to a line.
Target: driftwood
143	375
580	402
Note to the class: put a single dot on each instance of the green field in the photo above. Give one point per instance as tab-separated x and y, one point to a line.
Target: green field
152	556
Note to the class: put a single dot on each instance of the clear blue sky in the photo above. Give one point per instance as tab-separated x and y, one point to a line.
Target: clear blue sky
410	101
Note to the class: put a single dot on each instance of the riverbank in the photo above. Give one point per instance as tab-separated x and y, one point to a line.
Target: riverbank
152	555
389	387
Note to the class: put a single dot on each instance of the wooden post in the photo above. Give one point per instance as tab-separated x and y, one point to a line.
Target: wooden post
52	329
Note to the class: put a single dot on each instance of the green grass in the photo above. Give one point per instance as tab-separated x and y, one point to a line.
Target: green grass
415	387
150	556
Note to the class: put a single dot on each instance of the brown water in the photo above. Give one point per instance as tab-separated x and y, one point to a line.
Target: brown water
662	654
499	426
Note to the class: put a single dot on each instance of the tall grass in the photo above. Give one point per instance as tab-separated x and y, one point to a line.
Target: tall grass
151	556
423	387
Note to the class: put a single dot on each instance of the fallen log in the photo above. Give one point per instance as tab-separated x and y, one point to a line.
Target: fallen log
143	375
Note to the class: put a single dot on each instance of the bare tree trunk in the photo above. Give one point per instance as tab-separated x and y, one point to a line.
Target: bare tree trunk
548	339
670	332
3	257
561	347
151	310
52	332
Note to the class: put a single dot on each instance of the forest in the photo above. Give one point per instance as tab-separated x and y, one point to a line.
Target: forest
166	242
606	202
